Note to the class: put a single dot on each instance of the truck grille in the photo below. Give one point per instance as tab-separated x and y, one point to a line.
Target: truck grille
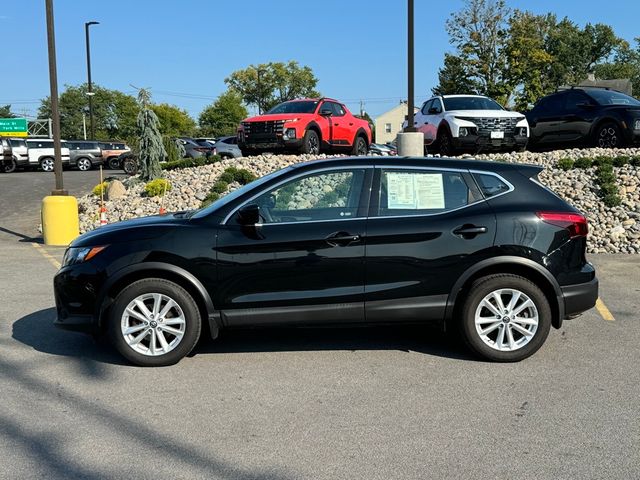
488	125
273	127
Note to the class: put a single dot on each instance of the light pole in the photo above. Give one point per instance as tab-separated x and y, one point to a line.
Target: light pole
89	87
259	71
410	58
55	112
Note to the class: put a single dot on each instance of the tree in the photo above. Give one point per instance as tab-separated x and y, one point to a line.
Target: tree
479	32
454	78
151	148
223	116
5	112
114	112
268	84
174	121
626	64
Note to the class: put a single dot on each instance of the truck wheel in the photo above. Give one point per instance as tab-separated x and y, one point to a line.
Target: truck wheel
114	163
608	136
248	152
311	143
130	166
10	166
359	146
446	144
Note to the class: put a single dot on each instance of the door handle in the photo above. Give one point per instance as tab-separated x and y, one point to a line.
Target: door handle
351	124
469	230
336	124
341	239
426	123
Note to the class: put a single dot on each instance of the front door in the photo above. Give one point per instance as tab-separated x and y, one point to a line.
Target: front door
304	263
427	226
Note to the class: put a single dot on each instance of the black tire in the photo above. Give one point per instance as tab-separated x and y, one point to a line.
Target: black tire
485	286
310	143
84	164
9	166
608	135
445	143
186	303
130	166
248	152
114	163
360	146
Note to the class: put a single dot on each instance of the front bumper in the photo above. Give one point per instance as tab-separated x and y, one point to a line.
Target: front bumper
263	142
580	297
75	292
485	142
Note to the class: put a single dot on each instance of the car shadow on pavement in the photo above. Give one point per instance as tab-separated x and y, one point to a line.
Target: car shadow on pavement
37	331
406	338
23	238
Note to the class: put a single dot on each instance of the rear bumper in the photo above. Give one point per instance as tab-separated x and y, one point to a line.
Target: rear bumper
580	297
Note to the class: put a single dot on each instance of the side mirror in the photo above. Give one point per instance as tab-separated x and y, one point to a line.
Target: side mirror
326	112
249	214
585	106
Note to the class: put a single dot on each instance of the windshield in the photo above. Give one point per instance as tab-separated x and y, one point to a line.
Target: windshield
229	197
470	103
609	97
304	106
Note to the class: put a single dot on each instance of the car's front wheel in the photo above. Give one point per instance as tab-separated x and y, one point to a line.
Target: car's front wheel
608	136
154	322
311	143
10	166
505	318
445	143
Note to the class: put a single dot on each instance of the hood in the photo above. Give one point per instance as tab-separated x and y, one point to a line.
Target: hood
135	229
485	113
276	116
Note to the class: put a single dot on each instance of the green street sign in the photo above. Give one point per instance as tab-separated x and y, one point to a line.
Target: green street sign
13	127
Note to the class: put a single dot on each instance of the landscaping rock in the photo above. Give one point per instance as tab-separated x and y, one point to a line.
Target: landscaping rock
116	190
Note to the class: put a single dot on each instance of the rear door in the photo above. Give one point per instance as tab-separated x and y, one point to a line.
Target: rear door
426	227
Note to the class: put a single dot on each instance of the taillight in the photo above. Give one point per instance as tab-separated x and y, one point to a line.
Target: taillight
574	222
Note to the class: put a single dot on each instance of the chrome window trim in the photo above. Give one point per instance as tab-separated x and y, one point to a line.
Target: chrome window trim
301	174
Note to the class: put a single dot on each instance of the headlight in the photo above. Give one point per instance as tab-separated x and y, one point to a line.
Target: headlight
636	124
75	255
291	120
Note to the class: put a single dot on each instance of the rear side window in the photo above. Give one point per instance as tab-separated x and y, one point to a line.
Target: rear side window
491	185
414	192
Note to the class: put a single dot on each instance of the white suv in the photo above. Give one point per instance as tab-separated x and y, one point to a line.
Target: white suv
41	154
456	123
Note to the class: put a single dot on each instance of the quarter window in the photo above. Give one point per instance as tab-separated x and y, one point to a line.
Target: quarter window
411	192
490	185
321	196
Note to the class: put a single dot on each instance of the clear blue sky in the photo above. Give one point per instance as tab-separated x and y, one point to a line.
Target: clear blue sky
184	50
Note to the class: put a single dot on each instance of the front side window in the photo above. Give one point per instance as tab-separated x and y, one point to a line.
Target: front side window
436	105
611	97
421	192
426	107
330	195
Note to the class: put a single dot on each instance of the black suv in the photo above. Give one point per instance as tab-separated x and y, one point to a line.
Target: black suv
84	154
585	116
477	245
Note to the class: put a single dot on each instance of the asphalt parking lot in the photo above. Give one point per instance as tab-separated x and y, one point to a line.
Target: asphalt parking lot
376	403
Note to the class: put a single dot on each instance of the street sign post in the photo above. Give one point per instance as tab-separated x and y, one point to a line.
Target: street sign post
13	127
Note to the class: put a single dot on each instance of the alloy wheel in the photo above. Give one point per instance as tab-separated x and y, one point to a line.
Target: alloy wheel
362	147
84	164
608	138
314	146
153	324
506	319
47	164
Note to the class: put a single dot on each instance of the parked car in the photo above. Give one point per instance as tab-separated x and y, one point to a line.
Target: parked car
111	152
479	246
306	126
193	149
20	153
41	154
585	116
382	149
206	142
85	154
227	147
456	123
7	163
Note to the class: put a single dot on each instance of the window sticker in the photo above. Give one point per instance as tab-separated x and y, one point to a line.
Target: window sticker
415	191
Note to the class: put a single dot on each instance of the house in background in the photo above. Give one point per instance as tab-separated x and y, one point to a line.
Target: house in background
389	124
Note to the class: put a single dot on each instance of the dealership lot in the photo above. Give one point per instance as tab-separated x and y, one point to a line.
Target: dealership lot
355	403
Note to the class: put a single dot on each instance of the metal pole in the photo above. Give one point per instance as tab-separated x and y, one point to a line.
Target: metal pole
89	85
84	125
55	112
410	107
259	94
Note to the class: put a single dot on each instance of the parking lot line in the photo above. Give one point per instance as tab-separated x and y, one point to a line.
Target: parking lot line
46	255
603	310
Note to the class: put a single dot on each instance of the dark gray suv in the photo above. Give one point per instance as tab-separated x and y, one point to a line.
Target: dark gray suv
84	154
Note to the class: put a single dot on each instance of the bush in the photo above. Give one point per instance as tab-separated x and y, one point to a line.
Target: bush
566	164
100	189
620	161
170	146
583	162
608	189
635	161
157	187
602	160
220	186
612	200
190	162
209	199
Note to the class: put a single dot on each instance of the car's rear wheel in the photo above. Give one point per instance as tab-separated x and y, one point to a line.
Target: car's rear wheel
359	146
46	164
84	164
505	318
311	143
608	136
10	166
130	166
154	322
114	163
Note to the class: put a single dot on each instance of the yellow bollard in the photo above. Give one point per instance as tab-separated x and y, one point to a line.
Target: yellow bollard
60	224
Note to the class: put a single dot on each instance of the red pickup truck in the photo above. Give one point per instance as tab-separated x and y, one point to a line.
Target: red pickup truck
306	125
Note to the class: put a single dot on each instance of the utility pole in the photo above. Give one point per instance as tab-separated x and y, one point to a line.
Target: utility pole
89	86
410	58
55	112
